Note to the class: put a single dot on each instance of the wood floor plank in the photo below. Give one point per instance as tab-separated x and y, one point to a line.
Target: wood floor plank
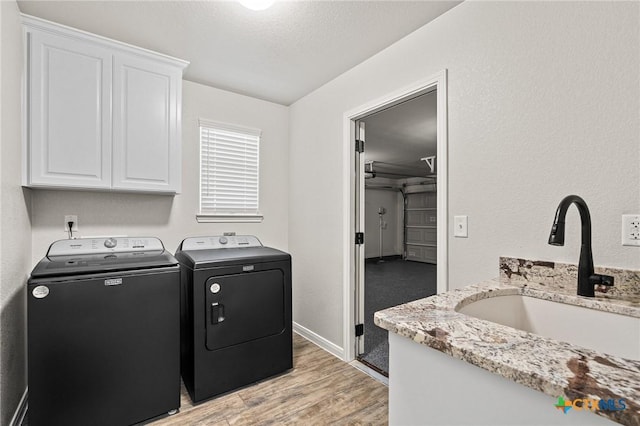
319	390
298	377
210	412
339	405
283	402
371	414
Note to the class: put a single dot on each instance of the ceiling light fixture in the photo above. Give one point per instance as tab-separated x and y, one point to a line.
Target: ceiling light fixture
256	4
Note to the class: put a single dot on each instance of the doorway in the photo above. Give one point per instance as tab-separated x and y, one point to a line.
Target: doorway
400	205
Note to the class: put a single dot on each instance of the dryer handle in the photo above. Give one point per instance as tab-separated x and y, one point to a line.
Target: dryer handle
217	313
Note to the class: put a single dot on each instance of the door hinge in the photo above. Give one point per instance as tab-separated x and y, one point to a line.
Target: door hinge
359	238
359	146
359	330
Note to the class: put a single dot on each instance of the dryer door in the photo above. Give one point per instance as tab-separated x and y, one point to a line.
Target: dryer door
243	307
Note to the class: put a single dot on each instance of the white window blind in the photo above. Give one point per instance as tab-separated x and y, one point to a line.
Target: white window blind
229	166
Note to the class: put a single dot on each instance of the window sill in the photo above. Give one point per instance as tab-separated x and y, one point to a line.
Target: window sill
229	218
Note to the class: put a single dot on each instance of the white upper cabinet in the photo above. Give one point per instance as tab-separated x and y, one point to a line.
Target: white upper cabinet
100	114
146	120
69	100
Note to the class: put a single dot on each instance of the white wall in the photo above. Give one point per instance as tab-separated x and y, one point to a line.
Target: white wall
543	102
174	218
392	235
15	229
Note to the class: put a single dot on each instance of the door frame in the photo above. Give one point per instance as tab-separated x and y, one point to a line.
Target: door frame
350	271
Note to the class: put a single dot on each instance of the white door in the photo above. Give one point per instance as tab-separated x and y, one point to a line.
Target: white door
146	125
69	113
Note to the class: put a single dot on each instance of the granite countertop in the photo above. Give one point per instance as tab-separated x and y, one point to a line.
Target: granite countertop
554	367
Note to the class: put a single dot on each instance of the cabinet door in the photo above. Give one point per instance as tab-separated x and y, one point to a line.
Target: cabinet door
146	125
69	113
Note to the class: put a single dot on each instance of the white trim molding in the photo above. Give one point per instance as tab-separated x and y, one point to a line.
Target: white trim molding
235	218
204	122
436	82
318	340
66	31
21	410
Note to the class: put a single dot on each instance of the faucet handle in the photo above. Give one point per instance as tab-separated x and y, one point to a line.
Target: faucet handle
601	282
599	279
606	280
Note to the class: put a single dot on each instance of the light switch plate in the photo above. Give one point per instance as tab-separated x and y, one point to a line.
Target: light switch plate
460	226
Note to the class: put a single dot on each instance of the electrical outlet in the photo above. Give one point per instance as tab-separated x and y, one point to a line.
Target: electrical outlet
71	218
631	230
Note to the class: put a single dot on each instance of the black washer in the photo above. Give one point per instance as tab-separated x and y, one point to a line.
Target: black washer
103	333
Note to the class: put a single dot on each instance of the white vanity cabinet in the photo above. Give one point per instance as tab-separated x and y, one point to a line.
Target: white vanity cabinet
100	114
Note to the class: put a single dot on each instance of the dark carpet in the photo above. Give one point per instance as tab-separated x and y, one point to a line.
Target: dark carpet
391	283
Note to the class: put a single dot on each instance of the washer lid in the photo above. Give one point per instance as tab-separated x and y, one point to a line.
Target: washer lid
95	255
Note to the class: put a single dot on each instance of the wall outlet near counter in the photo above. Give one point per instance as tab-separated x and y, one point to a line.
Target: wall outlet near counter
631	230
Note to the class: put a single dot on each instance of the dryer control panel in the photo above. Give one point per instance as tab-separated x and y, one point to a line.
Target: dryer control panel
220	242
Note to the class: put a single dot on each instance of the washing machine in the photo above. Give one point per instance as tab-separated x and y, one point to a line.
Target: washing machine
103	319
235	313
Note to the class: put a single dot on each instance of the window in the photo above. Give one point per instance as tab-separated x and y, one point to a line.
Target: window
229	159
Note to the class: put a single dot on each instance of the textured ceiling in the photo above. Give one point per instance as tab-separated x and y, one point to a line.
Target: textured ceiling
402	135
279	54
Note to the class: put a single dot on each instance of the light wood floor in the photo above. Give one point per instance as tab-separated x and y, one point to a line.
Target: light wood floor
319	390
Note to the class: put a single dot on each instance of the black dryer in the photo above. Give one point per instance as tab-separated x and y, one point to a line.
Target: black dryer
235	313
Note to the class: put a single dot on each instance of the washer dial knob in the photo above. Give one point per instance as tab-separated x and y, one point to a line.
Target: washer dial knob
223	240
110	242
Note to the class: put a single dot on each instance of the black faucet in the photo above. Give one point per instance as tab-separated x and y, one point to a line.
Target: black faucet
587	279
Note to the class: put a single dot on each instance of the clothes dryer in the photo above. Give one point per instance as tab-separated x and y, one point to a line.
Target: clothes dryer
235	313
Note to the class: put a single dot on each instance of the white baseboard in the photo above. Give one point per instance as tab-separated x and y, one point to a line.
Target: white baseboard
21	410
318	340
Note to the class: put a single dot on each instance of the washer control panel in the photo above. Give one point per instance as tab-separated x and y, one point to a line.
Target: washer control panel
219	242
86	246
